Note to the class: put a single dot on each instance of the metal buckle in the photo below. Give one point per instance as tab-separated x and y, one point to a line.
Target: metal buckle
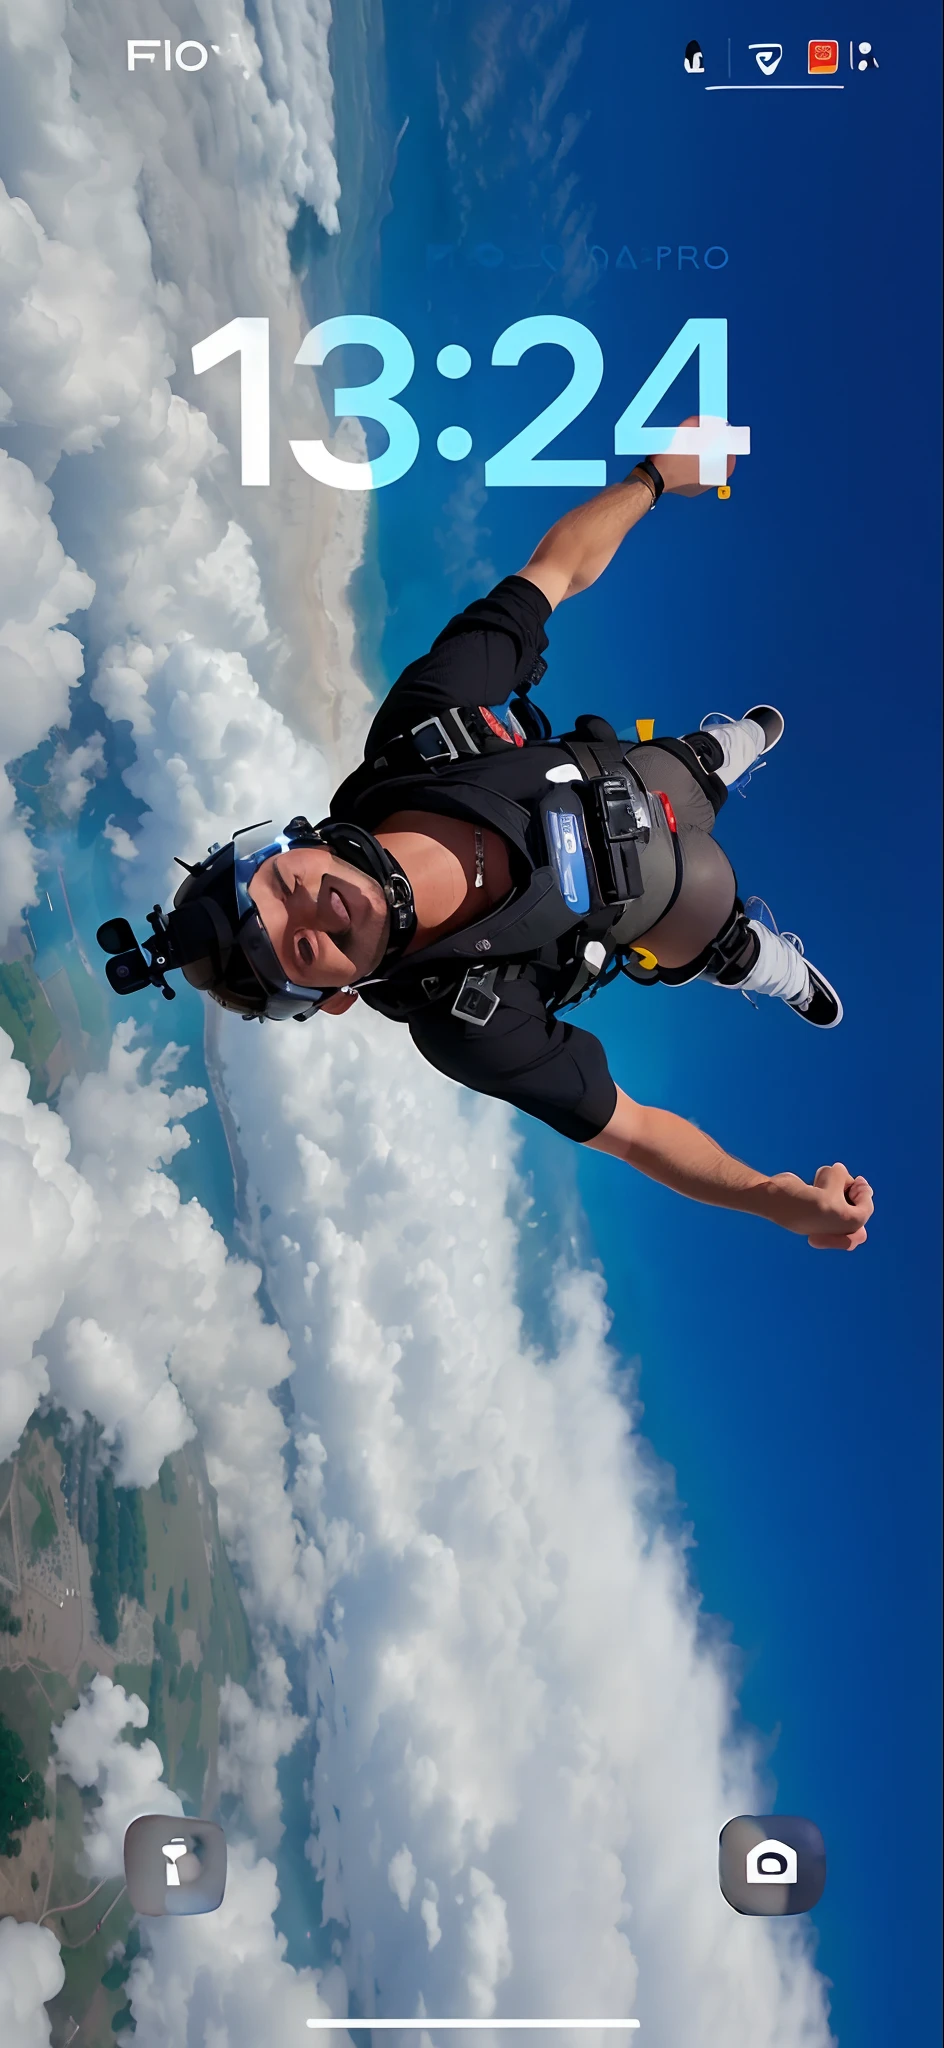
476	1002
472	744
624	811
447	752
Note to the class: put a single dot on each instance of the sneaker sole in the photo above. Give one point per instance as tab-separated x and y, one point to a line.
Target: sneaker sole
762	714
822	988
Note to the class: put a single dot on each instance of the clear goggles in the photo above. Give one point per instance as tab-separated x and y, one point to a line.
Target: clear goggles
251	848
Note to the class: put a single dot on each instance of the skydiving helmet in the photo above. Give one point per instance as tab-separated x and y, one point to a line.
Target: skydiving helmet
215	936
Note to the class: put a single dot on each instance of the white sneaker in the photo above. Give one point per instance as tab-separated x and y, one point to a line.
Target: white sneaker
782	970
744	741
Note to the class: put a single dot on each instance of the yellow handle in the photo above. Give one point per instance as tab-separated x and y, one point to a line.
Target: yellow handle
645	958
645	727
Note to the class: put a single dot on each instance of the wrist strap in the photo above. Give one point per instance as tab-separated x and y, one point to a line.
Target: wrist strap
647	470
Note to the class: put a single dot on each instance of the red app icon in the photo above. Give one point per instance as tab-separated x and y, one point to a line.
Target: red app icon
823	57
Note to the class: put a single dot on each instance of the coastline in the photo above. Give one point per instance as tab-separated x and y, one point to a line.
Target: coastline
213	1062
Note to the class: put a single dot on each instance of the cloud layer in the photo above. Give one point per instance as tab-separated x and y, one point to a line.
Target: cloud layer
141	1317
89	1745
40	663
31	1971
229	1967
525	1739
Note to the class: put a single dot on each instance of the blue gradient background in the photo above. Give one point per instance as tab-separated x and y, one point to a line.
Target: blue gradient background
795	1395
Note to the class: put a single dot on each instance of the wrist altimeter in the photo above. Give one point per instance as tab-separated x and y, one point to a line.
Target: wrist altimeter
647	473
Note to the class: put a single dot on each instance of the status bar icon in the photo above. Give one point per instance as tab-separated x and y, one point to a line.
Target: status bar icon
823	59
767	56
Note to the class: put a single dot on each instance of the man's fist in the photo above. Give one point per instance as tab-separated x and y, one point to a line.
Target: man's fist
831	1215
679	473
847	1209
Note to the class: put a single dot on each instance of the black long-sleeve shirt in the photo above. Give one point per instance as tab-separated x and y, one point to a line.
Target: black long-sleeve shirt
550	1069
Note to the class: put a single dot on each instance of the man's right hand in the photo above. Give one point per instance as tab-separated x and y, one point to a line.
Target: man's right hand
679	473
831	1215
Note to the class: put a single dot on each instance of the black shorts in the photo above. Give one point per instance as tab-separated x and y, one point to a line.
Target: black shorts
709	887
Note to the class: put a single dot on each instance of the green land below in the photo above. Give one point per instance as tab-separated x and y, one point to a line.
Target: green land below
133	1583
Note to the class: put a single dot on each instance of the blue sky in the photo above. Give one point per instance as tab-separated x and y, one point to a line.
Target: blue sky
794	1395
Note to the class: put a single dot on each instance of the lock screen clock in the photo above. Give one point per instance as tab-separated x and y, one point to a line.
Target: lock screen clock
520	461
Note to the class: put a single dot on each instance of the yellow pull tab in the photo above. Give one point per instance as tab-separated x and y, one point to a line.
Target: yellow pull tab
645	958
645	727
724	490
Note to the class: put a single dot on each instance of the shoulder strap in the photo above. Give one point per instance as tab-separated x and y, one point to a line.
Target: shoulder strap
460	732
595	746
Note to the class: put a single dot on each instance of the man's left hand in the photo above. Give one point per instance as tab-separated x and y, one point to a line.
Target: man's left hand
831	1215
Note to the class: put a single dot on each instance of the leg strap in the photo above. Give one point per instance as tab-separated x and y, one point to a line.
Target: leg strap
732	954
728	959
700	753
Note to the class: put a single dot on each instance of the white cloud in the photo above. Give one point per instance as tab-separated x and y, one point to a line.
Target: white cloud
90	1746
226	1973
518	1718
430	1916
120	841
536	134
39	662
31	1971
295	48
401	1876
212	753
228	1965
111	1342
256	1734
47	1223
122	1383
90	341
122	1301
159	1315
72	773
115	271
489	77
487	1947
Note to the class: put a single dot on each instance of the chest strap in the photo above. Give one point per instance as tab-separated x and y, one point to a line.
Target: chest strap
464	732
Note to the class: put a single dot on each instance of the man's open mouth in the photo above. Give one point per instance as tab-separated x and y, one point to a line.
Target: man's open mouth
338	912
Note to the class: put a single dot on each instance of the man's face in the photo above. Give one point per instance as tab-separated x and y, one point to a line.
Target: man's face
327	922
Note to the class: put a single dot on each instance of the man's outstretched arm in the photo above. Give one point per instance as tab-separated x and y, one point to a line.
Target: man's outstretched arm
577	549
831	1214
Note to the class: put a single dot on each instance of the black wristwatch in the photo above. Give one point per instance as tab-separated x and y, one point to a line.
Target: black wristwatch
651	474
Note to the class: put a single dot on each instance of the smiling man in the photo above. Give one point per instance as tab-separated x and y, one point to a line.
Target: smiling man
478	876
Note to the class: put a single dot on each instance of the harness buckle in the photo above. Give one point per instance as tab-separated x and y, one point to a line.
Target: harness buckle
437	746
623	822
623	809
477	1001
